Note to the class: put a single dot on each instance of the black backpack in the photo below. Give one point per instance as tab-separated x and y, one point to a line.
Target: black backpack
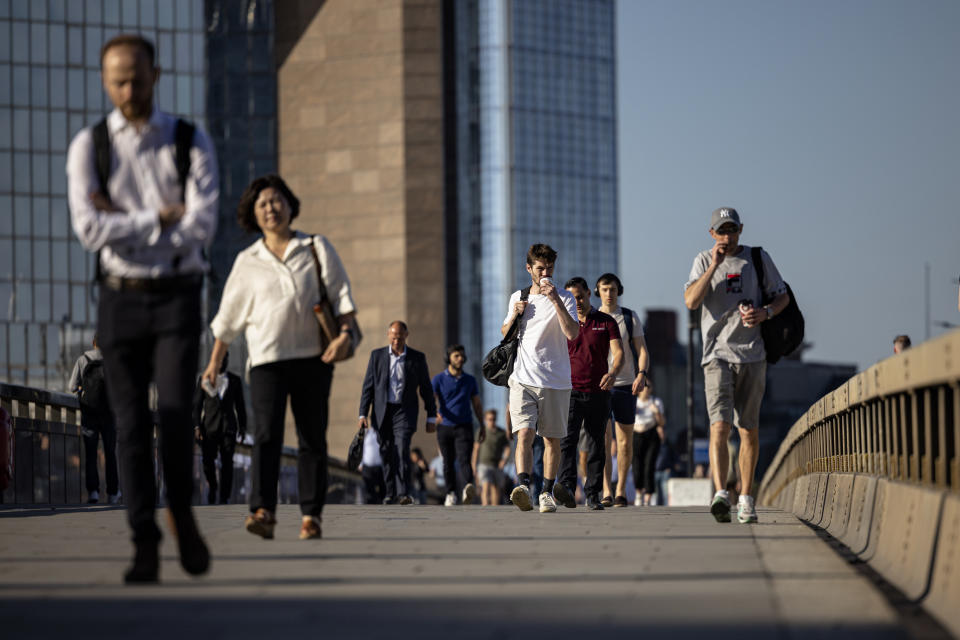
93	388
498	364
783	333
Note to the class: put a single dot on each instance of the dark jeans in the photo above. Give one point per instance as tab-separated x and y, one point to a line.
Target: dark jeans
306	381
395	435
661	478
93	431
224	446
456	444
646	447
374	488
151	336
589	411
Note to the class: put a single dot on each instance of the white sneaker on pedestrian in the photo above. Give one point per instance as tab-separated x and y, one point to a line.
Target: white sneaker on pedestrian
520	496
469	493
547	503
451	500
93	497
113	498
746	512
637	501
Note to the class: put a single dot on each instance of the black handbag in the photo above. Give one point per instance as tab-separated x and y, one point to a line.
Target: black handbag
498	363
783	333
355	451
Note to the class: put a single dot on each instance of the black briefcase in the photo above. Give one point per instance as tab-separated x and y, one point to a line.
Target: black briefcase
355	452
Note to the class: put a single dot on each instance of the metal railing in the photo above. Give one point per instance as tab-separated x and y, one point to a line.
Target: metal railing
50	463
899	419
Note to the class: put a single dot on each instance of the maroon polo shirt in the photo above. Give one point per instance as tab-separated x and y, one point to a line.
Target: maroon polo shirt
588	353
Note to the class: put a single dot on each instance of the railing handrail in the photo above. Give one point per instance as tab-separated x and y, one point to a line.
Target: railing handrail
38	396
933	363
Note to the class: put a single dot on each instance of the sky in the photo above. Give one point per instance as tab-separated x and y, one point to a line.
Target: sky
832	127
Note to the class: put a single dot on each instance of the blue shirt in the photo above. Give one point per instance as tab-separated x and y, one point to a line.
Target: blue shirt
455	397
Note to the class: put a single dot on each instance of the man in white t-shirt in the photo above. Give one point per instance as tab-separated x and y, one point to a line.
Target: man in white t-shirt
540	383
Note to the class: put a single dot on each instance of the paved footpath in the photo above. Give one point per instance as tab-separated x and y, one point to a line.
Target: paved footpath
429	572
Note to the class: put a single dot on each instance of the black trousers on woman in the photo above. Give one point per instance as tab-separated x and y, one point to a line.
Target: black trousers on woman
306	381
646	447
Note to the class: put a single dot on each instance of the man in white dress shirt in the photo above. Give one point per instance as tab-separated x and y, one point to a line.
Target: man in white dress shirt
148	211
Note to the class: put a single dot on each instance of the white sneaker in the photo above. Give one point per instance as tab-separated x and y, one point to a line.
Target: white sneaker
547	503
113	498
520	496
451	500
93	497
638	501
746	512
469	494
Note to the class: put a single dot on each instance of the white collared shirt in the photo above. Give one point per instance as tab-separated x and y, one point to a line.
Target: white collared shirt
396	374
143	180
270	301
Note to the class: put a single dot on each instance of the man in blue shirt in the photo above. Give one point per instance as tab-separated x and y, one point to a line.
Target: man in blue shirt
457	395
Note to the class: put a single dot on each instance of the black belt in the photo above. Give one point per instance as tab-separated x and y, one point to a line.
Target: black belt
152	285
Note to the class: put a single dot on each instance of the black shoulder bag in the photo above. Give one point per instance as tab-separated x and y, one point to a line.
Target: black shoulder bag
783	333
498	364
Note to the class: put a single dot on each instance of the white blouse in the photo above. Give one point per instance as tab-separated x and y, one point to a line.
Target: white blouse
270	300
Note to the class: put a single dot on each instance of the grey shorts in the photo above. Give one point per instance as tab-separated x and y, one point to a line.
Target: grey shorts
734	392
544	410
488	473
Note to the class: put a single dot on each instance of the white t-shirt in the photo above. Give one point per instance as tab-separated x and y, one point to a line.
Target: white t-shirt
542	358
647	414
629	369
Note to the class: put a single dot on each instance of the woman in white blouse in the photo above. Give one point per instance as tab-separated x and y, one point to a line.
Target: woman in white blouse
269	297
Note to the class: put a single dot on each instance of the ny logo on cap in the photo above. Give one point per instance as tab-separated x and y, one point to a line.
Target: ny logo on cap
724	213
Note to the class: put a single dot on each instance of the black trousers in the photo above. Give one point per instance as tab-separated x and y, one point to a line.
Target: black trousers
395	434
93	431
210	448
144	337
456	445
306	381
646	448
374	488
589	411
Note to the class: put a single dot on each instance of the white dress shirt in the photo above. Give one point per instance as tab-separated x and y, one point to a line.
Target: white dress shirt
270	300
396	375
143	180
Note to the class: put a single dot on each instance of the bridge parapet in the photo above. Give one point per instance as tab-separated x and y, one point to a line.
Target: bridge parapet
876	464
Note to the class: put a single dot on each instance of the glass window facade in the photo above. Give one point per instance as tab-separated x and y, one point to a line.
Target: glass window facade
536	149
49	89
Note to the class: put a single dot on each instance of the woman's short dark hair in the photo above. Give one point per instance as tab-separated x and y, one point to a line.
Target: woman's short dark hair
245	215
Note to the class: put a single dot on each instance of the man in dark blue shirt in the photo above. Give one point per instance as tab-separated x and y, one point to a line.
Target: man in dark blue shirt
457	394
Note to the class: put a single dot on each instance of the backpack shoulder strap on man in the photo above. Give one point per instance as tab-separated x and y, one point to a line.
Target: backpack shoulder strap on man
101	150
628	320
183	137
524	294
756	255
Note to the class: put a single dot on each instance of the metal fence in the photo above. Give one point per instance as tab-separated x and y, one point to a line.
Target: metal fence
50	463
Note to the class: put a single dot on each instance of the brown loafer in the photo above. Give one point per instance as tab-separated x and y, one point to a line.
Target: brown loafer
261	524
607	501
310	528
620	501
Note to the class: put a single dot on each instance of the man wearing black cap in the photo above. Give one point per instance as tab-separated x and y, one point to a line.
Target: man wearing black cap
723	283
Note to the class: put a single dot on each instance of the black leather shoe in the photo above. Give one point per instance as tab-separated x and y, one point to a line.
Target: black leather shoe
146	565
194	555
594	504
562	494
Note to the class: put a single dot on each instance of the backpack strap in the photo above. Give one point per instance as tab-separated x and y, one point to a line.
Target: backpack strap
628	320
101	151
756	255
524	294
183	137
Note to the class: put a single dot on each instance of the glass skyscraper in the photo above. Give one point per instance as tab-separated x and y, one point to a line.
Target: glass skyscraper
534	103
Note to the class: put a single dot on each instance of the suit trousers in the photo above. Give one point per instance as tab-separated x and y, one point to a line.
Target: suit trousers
151	336
306	381
93	431
395	435
589	411
456	447
374	488
210	448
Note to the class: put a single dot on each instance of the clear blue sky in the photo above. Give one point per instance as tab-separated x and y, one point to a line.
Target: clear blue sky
832	127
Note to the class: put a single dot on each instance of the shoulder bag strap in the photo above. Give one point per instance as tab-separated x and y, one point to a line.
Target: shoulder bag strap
756	255
183	137
316	262
101	150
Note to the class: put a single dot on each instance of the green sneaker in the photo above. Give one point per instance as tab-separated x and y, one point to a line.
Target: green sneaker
720	508
746	513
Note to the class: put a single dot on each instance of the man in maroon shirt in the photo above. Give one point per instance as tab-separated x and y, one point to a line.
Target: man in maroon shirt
590	398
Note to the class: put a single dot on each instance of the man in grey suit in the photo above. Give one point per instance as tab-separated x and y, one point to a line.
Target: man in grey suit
395	374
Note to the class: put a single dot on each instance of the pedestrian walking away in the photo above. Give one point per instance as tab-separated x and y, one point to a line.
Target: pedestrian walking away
143	192
96	422
269	298
540	383
219	419
490	455
630	380
596	356
648	435
458	401
388	403
723	284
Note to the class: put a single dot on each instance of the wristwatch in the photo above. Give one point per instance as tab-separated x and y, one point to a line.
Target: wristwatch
769	311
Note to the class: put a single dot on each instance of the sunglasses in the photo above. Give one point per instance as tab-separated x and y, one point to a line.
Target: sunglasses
728	230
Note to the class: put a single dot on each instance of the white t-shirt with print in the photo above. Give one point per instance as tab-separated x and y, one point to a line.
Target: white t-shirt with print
647	414
542	357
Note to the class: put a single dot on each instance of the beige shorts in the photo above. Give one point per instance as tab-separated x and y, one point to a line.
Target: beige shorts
545	410
734	392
